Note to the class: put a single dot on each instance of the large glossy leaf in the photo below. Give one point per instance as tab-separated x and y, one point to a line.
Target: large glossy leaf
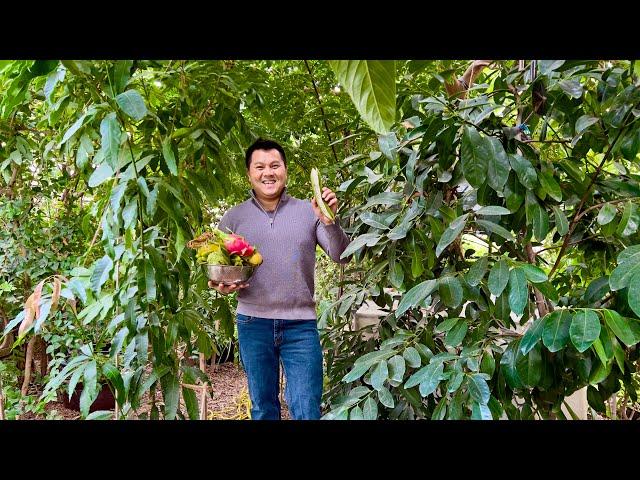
479	389
529	367
451	233
623	273
537	216
396	366
533	273
100	175
110	132
518	290
414	296
132	103
493	210
379	375
498	277
475	153
385	397
508	364
626	329
412	357
477	271
370	409
171	395
492	227
371	84
100	273
532	335
585	329
524	170
427	373
168	155
555	335
498	164
369	239
457	333
431	379
607	213
450	291
562	224
549	184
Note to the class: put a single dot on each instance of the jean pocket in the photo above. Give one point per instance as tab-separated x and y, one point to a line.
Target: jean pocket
244	319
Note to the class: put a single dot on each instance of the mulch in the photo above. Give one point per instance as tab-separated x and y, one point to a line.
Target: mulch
227	400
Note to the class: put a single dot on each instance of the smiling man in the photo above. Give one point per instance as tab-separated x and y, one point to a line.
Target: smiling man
276	310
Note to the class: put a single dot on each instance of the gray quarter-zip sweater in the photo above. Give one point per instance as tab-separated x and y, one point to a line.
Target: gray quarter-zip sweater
283	286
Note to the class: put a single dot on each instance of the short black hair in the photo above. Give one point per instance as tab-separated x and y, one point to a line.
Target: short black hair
263	144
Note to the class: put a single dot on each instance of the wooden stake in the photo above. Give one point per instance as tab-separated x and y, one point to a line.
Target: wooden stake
203	398
1	400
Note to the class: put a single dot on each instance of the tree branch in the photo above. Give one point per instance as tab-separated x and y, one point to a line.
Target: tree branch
324	118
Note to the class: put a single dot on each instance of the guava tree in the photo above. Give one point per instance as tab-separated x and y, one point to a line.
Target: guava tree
500	235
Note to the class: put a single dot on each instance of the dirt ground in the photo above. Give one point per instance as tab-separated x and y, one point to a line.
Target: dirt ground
228	400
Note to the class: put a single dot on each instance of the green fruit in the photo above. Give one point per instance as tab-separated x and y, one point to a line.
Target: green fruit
317	192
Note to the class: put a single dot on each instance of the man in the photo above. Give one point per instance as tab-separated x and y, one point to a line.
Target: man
276	309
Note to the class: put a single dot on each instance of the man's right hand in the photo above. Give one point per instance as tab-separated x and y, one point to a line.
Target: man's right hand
227	289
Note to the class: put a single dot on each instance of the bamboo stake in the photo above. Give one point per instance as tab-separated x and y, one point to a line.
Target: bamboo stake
1	400
203	397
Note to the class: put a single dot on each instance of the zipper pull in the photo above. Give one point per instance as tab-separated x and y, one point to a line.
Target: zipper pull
271	222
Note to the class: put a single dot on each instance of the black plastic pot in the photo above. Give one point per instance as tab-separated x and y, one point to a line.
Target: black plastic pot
105	400
226	354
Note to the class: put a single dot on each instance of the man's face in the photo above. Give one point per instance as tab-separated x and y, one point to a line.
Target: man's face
267	173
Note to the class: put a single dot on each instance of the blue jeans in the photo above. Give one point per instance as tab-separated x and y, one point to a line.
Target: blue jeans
264	343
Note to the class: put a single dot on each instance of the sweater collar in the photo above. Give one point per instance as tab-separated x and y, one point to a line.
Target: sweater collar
284	196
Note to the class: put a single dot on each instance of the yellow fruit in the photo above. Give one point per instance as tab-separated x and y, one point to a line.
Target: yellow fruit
255	259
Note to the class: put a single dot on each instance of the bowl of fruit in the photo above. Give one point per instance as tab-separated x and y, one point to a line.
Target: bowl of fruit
229	258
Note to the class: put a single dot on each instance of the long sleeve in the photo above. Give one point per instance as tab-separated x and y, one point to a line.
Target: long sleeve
333	241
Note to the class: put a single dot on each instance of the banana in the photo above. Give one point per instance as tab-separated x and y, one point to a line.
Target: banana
317	192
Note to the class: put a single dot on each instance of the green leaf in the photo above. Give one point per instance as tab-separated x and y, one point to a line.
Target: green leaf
380	374
386	398
396	366
356	413
370	409
480	412
548	290
169	157
371	84
518	291
110	132
630	254
455	336
493	210
508	365
440	411
498	165
149	280
572	88
113	375
456	380
171	395
132	103
100	273
369	239
101	174
549	184
626	329
585	329
426	373
524	170
479	389
447	324
532	335
477	271
474	155
634	294
356	372
622	274
100	415
555	335
597	289
432	377
495	228
180	242
584	122
451	233
562	224
416	295
537	216
529	367
412	357
498	277
450	291
607	213
533	273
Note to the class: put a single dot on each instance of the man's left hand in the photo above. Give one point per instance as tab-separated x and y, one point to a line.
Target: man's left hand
332	202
